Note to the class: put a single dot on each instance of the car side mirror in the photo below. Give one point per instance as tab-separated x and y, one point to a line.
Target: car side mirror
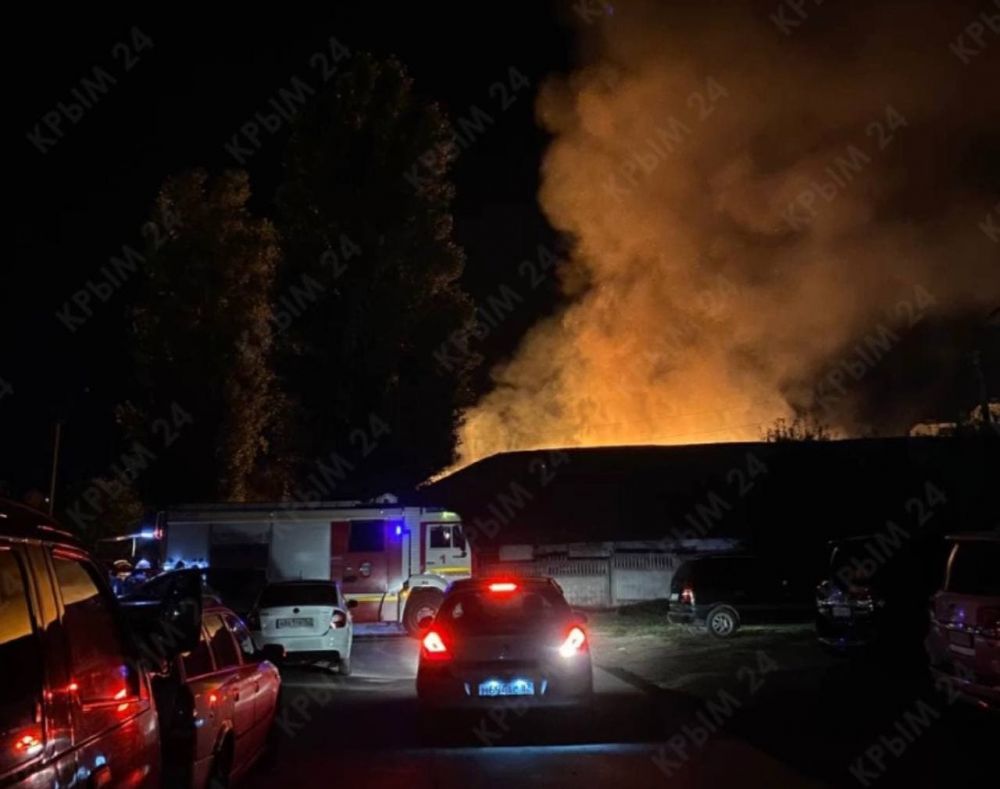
425	622
352	603
273	653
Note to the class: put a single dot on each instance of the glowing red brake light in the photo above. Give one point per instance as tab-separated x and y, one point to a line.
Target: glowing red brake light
434	647
687	595
576	642
503	586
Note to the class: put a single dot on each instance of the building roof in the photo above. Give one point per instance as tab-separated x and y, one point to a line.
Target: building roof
788	491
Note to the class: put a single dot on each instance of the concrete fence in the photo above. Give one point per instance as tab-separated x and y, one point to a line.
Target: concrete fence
600	582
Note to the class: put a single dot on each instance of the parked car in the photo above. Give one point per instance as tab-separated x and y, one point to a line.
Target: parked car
76	704
875	593
310	620
217	703
724	592
494	639
964	638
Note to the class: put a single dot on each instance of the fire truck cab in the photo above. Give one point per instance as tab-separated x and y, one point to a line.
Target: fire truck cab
394	560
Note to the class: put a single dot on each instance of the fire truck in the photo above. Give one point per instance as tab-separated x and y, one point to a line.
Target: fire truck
394	560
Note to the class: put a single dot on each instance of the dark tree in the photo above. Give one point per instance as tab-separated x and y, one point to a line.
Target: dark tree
370	292
206	398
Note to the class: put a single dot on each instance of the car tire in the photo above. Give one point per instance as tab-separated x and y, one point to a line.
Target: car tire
423	602
344	666
722	621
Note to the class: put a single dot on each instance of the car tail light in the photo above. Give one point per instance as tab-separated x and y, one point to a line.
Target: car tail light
988	621
339	619
575	642
503	587
433	647
687	595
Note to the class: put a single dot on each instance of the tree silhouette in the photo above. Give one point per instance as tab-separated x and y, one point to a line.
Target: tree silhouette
364	215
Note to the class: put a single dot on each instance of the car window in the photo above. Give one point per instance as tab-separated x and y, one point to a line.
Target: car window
223	646
445	535
199	660
480	612
242	636
298	594
367	537
973	568
99	666
21	657
440	536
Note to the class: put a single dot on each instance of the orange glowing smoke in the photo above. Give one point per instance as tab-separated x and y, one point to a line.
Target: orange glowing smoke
706	295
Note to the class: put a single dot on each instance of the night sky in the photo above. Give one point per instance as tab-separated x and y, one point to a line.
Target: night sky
768	313
177	105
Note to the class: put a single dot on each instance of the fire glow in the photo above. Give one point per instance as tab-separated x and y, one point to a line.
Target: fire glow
745	209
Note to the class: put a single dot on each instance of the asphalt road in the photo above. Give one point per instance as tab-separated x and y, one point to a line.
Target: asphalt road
367	728
766	709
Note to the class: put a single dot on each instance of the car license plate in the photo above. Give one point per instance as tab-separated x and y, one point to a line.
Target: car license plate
841	611
516	687
960	639
296	622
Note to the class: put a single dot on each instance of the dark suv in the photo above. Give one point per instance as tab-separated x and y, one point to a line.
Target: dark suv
875	593
723	592
76	705
75	708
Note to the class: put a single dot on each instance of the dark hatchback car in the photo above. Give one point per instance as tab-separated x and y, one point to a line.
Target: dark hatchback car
76	705
493	639
724	592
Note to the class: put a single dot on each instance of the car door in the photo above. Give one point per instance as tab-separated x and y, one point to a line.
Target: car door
202	704
266	678
239	682
115	726
445	549
35	751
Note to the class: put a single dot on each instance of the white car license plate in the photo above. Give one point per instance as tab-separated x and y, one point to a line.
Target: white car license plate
295	622
841	611
516	687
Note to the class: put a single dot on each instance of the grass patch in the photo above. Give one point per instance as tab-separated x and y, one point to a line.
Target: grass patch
646	618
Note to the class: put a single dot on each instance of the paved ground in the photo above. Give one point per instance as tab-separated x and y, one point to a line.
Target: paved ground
672	707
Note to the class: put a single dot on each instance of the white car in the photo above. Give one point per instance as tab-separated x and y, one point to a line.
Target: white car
310	619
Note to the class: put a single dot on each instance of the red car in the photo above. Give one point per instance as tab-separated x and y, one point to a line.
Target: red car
964	639
218	703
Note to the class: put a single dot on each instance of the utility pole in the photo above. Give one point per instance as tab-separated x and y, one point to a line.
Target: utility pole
55	467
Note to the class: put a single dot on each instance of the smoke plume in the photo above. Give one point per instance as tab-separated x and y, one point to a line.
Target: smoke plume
763	214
